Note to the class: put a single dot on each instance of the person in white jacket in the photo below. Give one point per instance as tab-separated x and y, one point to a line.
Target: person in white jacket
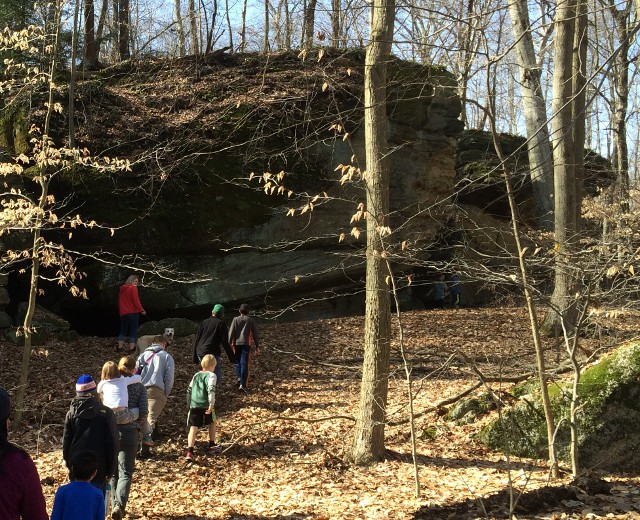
157	368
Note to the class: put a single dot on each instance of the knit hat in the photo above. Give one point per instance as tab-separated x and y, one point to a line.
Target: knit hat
244	307
218	309
85	384
5	405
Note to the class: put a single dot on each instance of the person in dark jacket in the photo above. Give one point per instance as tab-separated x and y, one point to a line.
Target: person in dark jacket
21	495
89	425
211	338
243	333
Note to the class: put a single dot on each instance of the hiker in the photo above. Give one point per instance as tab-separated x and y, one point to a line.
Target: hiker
129	308
20	490
201	396
211	337
128	442
79	499
456	291
439	291
89	425
243	333
157	368
113	393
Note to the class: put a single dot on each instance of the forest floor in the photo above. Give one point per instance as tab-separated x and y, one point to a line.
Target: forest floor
284	441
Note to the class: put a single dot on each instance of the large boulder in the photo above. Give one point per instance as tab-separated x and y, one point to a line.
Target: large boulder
608	434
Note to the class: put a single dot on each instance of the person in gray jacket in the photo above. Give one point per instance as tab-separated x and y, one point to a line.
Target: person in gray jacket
243	333
157	368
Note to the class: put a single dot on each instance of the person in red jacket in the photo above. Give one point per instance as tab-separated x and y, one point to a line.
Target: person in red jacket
130	308
21	495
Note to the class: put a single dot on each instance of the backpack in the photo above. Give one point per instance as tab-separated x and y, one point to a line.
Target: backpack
142	364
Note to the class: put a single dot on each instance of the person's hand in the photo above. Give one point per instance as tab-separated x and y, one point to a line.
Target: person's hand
144	313
208	411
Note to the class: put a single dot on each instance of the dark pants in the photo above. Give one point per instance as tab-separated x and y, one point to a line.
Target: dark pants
129	327
243	354
121	481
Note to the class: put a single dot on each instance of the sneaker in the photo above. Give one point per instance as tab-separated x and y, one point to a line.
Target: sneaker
147	440
116	514
189	457
211	450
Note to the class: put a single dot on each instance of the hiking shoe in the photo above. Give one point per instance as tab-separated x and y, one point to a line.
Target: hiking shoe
147	440
212	450
189	457
116	514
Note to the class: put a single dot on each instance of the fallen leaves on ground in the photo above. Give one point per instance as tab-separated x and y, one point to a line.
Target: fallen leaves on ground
284	442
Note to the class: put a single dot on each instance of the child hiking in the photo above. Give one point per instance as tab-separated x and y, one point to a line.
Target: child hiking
114	394
201	397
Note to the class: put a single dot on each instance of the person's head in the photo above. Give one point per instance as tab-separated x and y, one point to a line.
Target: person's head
127	365
5	412
133	279
160	340
218	310
85	385
84	465
244	308
208	363
110	370
441	277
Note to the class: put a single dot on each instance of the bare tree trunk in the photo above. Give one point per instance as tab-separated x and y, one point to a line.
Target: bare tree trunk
229	29
72	79
177	14
243	29
124	21
102	20
265	43
193	27
535	115
336	29
564	159
309	23
90	57
368	439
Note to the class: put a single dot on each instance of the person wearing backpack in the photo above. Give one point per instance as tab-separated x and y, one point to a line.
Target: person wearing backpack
157	368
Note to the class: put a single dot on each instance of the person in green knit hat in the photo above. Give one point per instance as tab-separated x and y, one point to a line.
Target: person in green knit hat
211	338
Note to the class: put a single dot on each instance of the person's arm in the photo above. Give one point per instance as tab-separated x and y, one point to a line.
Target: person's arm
130	380
67	437
143	405
211	390
110	445
232	333
225	343
100	508
195	345
136	301
169	374
254	334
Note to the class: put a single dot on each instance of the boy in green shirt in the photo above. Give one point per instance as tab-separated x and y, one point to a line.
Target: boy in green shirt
201	396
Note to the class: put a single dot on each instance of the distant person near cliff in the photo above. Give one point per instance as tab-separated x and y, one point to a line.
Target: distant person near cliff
456	291
243	333
439	291
129	308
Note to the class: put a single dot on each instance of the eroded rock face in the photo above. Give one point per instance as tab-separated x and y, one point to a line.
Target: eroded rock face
194	209
608	436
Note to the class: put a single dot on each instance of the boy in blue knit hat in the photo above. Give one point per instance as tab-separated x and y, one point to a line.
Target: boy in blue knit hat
89	425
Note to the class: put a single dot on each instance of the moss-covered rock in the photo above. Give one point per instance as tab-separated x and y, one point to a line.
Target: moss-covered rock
467	411
608	434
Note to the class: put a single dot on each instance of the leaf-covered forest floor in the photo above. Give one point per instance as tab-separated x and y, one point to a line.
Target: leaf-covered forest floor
284	441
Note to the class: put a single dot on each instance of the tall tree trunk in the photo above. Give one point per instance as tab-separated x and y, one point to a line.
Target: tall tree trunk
309	23
564	159
368	439
193	27
535	115
336	28
229	28
72	79
265	43
124	21
177	15
90	56
243	28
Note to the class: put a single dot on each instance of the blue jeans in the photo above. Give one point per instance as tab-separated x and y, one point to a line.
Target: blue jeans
129	327
121	481
242	368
